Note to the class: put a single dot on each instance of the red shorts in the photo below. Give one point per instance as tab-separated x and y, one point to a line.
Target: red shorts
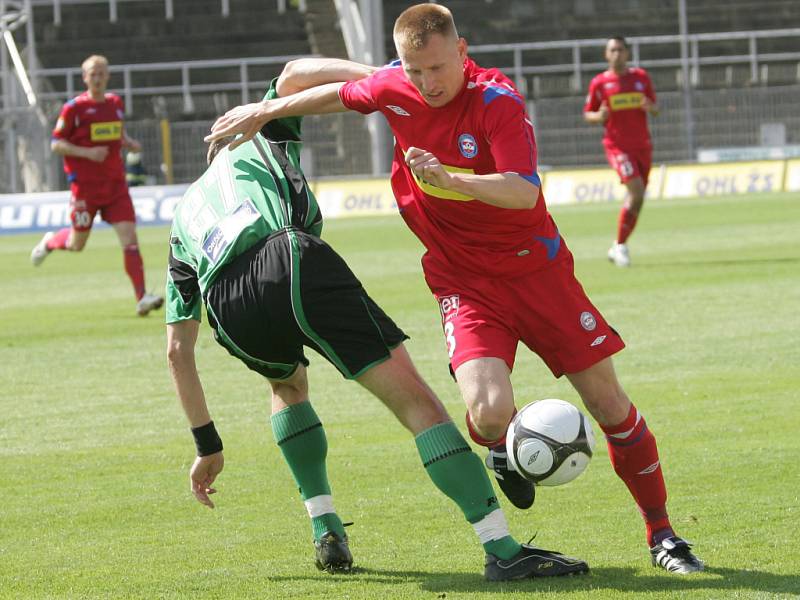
547	310
110	197
631	164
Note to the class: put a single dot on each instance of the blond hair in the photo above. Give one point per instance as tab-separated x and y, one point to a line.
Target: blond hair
415	25
94	59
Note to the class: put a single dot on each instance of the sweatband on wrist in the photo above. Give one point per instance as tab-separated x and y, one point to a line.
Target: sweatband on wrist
206	439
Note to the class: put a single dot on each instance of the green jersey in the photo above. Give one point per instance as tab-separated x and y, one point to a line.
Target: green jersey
244	196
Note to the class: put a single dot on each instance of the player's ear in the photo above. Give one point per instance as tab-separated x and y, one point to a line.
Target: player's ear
462	48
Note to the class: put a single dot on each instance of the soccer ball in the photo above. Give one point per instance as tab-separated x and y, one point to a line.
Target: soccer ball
550	442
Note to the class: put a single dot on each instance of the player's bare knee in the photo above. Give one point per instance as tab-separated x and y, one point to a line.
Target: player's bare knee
490	419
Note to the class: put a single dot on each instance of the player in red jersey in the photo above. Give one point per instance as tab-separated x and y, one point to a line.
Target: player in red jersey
465	180
89	135
621	98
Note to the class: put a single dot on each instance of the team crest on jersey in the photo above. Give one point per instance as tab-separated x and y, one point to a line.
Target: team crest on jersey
398	110
449	307
588	322
639	86
467	145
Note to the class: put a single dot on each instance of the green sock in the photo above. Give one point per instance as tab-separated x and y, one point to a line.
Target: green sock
300	436
459	474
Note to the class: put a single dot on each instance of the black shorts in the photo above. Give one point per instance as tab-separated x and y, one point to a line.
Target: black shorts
292	290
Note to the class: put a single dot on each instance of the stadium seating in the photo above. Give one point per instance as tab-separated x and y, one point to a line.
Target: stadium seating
254	28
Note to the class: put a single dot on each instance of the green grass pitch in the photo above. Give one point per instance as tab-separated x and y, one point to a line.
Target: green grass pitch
94	449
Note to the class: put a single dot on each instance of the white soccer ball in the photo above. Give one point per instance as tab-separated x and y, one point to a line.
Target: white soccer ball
550	442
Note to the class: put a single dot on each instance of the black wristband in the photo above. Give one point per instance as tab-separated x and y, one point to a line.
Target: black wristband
206	439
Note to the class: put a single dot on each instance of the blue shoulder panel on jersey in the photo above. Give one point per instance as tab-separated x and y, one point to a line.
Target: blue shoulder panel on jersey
492	92
395	63
552	244
534	179
71	102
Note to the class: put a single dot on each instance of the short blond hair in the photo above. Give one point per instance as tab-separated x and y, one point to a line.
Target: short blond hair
416	24
94	59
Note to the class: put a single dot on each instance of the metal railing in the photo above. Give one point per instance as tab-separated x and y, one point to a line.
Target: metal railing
183	71
169	11
519	69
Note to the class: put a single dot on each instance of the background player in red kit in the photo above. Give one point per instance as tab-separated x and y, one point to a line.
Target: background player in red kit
621	98
465	180
89	135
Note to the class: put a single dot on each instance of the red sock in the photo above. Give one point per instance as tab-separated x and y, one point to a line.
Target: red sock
134	268
59	240
634	456
626	223
482	441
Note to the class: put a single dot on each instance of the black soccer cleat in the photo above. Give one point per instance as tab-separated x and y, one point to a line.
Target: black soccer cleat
532	562
333	554
674	555
520	492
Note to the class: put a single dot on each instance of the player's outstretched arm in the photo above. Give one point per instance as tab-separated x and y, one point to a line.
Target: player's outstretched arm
305	73
181	340
248	119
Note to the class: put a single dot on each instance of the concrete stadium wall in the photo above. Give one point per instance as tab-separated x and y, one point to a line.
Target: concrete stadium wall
24	213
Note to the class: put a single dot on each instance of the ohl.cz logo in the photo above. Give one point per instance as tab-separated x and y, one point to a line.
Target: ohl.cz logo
467	145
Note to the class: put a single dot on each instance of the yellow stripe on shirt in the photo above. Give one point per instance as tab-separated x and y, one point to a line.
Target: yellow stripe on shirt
106	132
438	192
626	101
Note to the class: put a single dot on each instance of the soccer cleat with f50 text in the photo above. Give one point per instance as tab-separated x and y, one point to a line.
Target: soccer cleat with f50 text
532	562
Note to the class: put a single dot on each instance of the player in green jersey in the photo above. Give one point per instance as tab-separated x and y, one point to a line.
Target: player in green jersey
242	236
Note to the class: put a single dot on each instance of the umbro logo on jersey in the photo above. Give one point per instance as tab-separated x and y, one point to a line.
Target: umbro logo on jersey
639	85
398	110
91	111
598	340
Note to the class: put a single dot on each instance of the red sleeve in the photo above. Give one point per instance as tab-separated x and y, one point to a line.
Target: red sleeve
509	132
648	87
120	106
592	98
359	96
66	122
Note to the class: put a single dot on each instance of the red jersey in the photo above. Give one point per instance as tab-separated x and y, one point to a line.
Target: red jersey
87	123
626	127
483	130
